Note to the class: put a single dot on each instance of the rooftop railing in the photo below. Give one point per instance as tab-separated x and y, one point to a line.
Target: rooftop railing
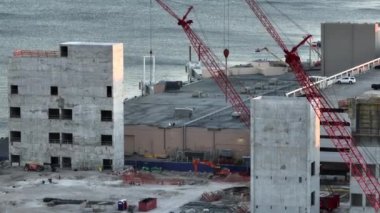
321	84
35	53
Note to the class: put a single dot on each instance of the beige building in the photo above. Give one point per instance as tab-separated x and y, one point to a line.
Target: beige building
345	45
194	120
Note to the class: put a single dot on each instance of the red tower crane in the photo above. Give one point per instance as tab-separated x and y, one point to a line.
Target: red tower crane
212	64
331	121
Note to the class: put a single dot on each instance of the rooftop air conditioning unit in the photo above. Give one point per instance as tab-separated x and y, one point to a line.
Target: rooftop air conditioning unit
183	113
197	94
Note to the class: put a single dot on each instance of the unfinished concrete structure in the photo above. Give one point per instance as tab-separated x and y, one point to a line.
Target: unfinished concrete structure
364	112
284	156
345	45
66	107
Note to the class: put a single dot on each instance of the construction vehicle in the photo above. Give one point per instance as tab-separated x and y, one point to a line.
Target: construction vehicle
334	125
258	50
33	167
214	66
217	169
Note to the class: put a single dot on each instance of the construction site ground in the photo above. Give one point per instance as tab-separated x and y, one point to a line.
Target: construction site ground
22	191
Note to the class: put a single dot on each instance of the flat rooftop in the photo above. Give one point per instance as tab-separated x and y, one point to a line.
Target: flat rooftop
363	84
158	109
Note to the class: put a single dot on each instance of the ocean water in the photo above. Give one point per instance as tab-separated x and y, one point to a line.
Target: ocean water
141	25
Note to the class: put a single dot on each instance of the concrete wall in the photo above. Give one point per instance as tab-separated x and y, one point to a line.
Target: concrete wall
159	141
284	146
365	115
82	79
345	45
256	67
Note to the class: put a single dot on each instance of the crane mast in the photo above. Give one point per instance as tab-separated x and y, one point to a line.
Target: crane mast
212	64
331	121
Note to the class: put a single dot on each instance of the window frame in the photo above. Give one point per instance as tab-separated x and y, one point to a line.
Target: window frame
12	137
106	140
104	116
54	140
65	115
67	138
14	89
14	112
54	90
55	115
109	92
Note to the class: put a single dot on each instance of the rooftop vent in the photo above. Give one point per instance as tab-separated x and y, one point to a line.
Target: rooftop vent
199	94
245	90
173	85
183	113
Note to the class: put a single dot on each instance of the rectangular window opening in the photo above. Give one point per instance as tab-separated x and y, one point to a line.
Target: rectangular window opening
53	90
356	199
15	136
67	138
67	114
66	162
106	115
14	89
312	168
106	140
109	91
14	112
54	161
64	51
15	159
312	197
54	137
107	164
53	113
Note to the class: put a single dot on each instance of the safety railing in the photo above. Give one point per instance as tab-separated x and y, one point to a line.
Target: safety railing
321	84
35	53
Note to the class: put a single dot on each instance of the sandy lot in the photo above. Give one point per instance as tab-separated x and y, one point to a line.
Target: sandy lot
24	191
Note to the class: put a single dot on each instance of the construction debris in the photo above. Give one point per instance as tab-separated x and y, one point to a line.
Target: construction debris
211	196
58	201
235	199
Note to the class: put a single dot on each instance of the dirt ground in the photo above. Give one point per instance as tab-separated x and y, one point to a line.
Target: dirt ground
22	191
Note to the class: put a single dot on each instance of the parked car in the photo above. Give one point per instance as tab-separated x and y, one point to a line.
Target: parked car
375	86
346	80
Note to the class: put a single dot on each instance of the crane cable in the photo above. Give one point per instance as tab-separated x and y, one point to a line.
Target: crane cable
226	51
150	28
150	44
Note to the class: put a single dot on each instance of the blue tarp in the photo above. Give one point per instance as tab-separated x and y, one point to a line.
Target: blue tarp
180	166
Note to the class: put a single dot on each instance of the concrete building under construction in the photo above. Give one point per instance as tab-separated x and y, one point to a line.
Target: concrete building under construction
345	45
66	106
285	151
364	112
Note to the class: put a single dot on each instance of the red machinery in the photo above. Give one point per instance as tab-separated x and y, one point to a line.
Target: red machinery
334	125
213	65
33	166
217	170
147	204
329	202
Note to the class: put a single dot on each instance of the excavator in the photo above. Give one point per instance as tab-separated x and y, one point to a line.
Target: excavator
217	169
